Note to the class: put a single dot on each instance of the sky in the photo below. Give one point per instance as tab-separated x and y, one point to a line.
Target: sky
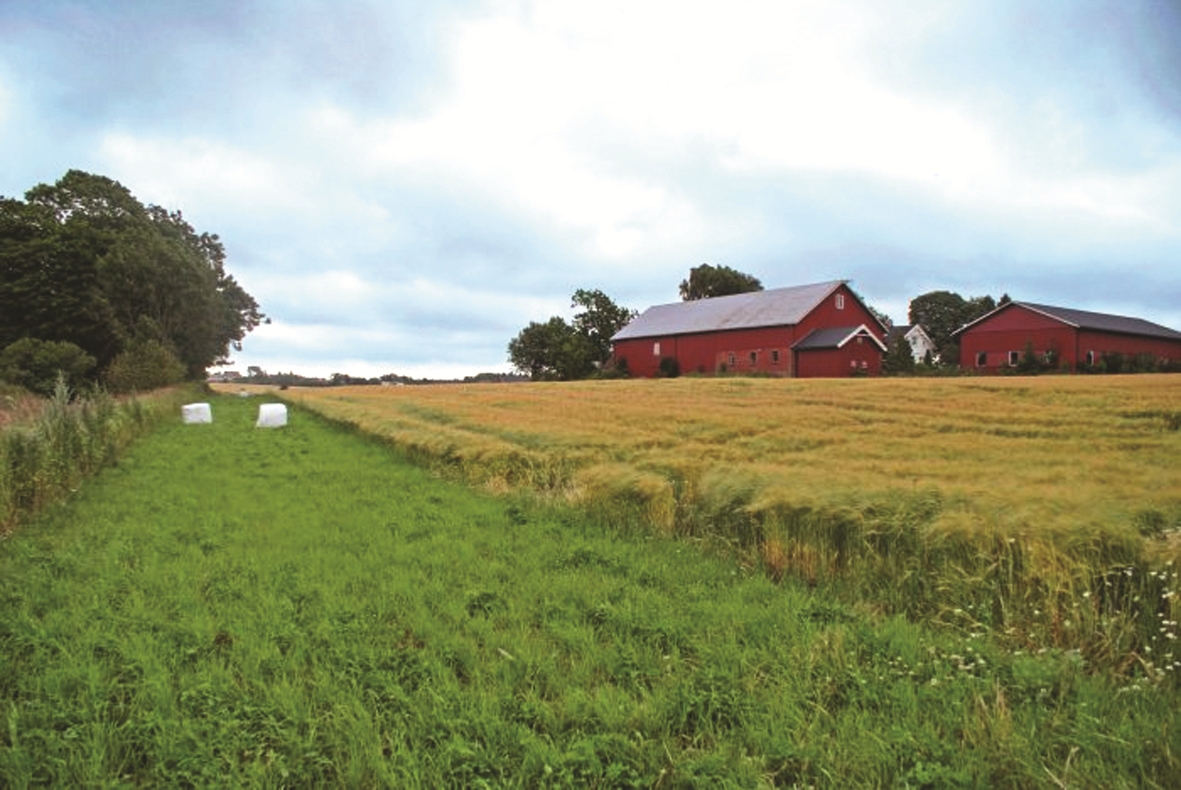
404	186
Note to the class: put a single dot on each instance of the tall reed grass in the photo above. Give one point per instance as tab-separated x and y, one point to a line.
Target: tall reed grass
46	454
1046	511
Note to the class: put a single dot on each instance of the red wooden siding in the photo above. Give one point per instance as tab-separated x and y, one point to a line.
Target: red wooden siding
990	345
995	346
1104	343
711	352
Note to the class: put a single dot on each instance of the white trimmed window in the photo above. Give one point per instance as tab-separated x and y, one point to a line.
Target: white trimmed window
656	349
981	358
840	301
1014	358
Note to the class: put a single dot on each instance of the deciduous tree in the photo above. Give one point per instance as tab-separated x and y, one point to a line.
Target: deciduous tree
600	319
83	261
941	313
557	350
706	281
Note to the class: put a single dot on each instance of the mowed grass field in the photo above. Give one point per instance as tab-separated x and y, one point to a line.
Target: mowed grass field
302	607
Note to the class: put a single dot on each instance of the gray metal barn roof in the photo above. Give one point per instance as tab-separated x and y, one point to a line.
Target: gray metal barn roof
774	307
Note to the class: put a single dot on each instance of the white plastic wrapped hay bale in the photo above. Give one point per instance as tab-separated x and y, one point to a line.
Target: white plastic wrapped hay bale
271	415
193	413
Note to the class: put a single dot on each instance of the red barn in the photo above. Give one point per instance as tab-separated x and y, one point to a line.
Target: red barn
808	330
1061	337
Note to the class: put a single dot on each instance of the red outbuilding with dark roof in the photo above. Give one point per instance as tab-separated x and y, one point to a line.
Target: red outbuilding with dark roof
1062	338
808	330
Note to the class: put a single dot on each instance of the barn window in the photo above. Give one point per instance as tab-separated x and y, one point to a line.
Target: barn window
1014	358
754	357
656	349
840	301
981	358
1090	357
730	360
774	356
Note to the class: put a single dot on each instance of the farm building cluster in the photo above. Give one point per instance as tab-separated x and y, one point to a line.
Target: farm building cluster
826	330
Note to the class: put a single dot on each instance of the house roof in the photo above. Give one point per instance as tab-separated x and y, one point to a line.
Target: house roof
835	337
774	307
1084	319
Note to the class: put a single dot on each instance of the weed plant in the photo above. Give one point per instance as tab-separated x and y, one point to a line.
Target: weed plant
301	607
1045	511
48	448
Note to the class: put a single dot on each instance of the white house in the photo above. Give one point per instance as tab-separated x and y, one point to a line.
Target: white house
918	340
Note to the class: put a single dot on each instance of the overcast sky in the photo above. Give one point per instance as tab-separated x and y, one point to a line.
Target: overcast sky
404	185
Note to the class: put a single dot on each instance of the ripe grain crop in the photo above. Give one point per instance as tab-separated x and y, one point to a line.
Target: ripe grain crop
986	504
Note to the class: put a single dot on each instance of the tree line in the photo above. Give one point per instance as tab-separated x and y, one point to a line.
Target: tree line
108	291
558	350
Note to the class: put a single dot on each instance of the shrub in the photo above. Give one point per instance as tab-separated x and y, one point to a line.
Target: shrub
35	364
146	366
670	368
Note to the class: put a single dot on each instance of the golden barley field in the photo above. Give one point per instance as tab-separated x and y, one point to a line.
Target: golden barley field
1046	510
1015	453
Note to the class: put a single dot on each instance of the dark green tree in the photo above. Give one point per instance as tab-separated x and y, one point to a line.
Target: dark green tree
939	312
83	261
553	351
557	350
899	357
599	320
50	286
706	281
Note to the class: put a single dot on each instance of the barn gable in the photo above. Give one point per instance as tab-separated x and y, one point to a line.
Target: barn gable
839	351
837	337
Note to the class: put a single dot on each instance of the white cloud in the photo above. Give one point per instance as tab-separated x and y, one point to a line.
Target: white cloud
5	102
439	196
202	171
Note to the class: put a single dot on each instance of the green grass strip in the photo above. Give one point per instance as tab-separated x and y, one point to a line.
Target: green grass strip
301	607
